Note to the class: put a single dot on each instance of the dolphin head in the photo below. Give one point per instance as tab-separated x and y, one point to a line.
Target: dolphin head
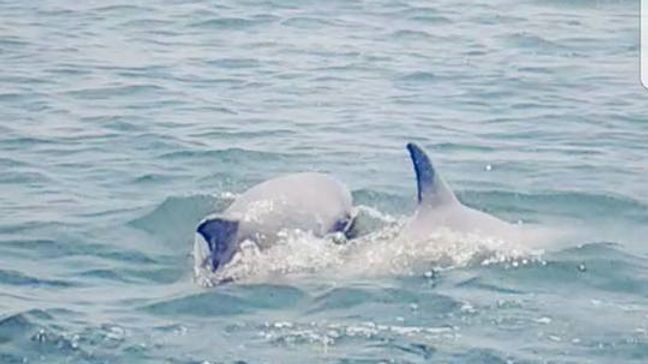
216	242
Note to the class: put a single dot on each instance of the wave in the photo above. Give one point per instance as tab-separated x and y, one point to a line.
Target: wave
568	204
176	218
224	155
586	268
39	333
419	77
225	302
100	93
16	278
233	22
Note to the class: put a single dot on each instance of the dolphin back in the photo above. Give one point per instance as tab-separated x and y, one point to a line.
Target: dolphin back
304	201
432	190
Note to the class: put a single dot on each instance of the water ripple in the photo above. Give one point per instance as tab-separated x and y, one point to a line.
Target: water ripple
124	124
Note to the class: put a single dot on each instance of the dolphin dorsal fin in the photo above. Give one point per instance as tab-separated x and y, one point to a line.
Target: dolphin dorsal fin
432	190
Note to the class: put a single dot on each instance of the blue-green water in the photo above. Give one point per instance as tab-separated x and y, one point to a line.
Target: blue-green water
123	123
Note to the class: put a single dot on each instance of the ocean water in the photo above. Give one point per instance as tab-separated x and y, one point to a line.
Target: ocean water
122	124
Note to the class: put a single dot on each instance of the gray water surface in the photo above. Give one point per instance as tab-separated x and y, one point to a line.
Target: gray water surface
123	123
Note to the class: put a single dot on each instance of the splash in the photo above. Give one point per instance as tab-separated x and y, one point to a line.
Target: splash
294	252
378	253
329	334
385	253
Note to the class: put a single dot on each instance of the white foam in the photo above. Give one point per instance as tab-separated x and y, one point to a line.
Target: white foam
377	254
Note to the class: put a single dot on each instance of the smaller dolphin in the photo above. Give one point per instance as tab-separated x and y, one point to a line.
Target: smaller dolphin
311	202
438	207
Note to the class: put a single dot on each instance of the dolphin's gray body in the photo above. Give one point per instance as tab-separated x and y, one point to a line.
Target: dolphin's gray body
310	202
438	207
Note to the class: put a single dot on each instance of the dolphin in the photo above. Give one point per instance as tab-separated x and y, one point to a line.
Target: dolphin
438	207
310	202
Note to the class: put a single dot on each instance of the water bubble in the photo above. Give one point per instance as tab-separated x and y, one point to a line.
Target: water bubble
339	238
40	336
74	342
467	308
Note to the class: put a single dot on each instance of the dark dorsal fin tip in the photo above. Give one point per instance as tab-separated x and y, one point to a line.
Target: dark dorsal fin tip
432	190
423	168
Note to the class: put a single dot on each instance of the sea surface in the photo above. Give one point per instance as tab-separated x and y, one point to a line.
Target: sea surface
124	123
